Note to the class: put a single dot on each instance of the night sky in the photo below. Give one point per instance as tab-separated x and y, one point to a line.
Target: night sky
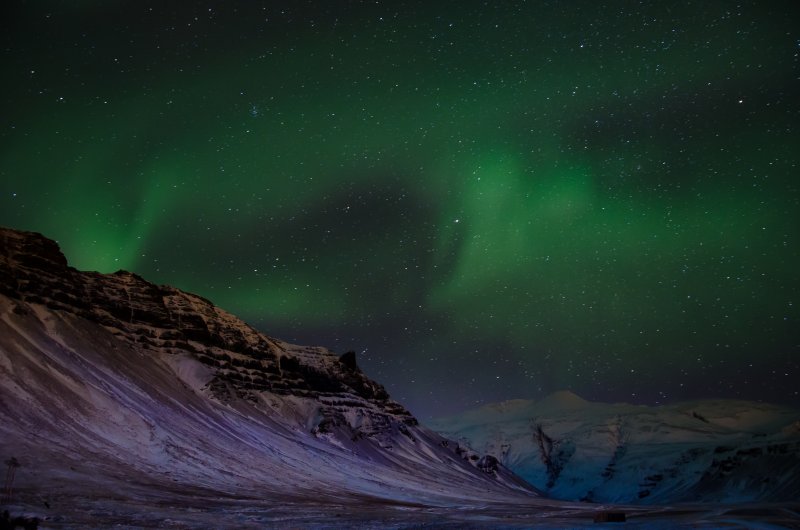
485	200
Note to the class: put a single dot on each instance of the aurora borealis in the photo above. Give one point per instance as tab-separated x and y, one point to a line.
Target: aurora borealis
485	200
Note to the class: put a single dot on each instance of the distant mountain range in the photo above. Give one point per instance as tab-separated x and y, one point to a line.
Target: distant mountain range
703	451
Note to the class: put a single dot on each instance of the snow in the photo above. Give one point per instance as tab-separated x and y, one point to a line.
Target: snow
717	450
192	372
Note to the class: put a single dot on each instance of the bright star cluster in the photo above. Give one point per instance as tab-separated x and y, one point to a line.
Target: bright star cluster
485	200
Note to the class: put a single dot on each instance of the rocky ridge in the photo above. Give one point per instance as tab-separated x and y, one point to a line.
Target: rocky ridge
165	319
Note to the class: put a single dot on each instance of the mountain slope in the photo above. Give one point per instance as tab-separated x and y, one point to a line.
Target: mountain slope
130	405
112	387
712	451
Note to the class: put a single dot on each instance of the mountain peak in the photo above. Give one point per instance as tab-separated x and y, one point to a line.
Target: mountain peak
166	320
562	399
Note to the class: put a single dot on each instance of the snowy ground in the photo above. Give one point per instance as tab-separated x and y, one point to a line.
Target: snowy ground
192	510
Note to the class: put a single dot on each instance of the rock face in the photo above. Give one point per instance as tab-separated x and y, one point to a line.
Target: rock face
109	378
167	320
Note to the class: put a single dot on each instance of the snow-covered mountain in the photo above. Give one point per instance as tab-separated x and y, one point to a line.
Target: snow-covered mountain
131	405
114	388
710	451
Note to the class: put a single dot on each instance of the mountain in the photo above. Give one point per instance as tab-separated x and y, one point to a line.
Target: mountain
117	394
710	451
131	405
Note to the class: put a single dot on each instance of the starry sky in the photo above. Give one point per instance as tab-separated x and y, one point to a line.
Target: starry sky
485	199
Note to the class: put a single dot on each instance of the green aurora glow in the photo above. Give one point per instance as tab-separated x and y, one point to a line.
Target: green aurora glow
486	200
